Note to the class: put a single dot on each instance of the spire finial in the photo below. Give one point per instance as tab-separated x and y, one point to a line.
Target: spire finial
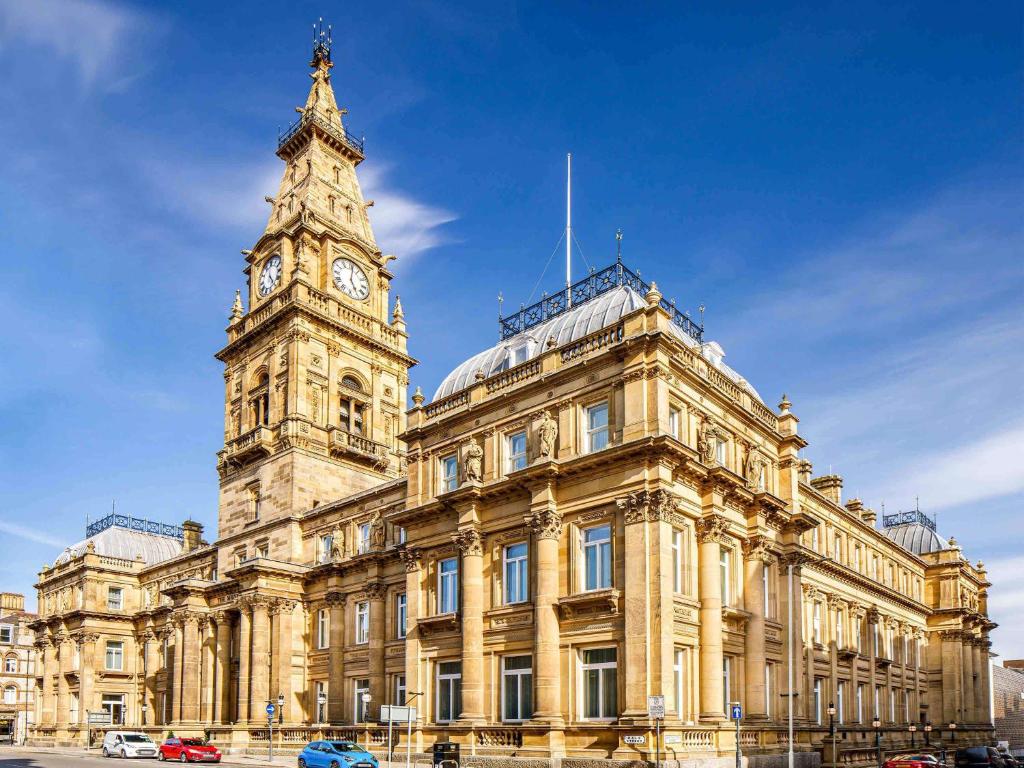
618	245
321	44
397	313
236	308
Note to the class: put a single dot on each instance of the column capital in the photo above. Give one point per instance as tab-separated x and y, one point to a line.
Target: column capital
545	524
335	599
84	638
411	557
654	506
469	542
376	591
758	548
712	529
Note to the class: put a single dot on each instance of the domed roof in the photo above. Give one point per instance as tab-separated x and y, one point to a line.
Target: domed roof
578	322
915	532
126	544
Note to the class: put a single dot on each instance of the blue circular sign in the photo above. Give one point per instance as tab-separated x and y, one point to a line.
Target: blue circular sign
270	709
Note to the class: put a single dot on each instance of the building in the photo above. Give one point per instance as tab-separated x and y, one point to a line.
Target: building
18	670
1008	704
593	511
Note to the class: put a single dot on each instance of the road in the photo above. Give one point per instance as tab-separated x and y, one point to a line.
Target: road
27	757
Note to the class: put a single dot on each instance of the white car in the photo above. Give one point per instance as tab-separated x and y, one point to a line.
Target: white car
128	744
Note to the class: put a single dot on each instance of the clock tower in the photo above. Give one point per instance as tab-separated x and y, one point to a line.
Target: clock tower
316	370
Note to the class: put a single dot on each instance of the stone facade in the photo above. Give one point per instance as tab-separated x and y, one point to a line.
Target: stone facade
17	669
526	559
1008	704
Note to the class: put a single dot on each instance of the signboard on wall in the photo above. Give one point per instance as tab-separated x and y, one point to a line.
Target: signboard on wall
100	718
634	739
397	714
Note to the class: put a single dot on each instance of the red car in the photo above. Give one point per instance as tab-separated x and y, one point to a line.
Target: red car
911	761
188	751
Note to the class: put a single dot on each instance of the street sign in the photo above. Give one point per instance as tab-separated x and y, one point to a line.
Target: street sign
100	718
634	739
736	712
656	707
397	714
270	710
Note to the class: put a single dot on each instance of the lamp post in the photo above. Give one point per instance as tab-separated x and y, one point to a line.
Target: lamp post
366	712
913	733
928	734
790	568
321	700
832	730
280	709
877	725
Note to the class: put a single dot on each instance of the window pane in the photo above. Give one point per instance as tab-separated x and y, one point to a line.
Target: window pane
608	699
599	656
591	693
518	662
606	565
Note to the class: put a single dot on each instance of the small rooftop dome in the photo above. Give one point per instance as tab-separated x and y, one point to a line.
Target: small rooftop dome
127	538
914	531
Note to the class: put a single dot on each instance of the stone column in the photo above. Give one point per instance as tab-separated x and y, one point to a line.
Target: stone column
755	560
259	667
795	610
411	559
547	678
86	673
244	659
952	679
969	715
335	659
872	619
190	693
207	681
284	647
44	647
175	679
636	587
152	653
377	594
222	700
471	596
986	681
981	707
711	535
64	645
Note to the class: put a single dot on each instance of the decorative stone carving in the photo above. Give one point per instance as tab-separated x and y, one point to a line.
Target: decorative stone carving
712	528
377	536
469	542
547	432
648	505
332	599
410	556
473	455
753	466
706	437
546	524
758	548
337	543
375	590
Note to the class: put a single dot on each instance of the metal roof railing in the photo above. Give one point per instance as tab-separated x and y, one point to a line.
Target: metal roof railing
115	520
315	117
913	517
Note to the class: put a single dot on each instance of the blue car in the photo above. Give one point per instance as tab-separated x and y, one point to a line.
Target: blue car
335	754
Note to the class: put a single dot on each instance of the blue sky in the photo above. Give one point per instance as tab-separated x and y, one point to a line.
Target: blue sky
841	186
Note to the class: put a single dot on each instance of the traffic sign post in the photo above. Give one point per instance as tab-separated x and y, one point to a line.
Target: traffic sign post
270	725
736	713
656	710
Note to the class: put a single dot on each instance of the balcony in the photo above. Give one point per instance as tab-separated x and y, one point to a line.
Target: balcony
358	448
254	444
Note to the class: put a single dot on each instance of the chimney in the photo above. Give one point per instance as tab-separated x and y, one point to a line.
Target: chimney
193	535
829	486
12	601
804	469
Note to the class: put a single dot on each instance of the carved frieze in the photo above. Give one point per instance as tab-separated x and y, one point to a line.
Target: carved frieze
469	542
653	506
546	524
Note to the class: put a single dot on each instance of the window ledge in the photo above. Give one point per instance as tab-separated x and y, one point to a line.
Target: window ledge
442	622
587	603
509	616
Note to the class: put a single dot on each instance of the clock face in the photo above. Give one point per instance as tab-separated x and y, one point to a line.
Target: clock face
270	276
350	279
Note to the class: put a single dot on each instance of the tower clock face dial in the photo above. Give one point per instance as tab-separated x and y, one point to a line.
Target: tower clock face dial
270	276
350	279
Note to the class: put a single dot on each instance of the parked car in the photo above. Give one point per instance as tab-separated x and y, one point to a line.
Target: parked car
335	754
188	751
128	744
912	760
979	757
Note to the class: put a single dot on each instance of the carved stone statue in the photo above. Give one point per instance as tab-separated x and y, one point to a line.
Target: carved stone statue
474	455
337	543
753	467
706	441
377	531
548	433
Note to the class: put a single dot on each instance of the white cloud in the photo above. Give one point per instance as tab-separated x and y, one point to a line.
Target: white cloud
89	33
982	469
402	225
1005	603
29	534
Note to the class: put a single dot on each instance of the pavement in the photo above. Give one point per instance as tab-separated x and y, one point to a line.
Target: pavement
79	757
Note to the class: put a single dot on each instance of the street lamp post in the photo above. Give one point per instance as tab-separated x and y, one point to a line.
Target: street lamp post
913	734
280	709
832	730
321	700
928	734
877	725
366	713
790	568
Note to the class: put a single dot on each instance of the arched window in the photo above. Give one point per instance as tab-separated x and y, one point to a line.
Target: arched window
11	664
352	406
10	695
259	400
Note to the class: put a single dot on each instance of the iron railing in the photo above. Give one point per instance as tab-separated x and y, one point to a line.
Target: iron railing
115	520
315	117
914	516
597	283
